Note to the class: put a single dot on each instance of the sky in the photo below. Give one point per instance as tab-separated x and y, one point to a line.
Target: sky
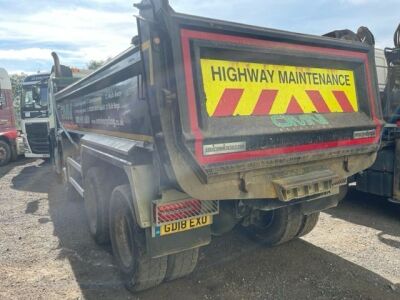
80	31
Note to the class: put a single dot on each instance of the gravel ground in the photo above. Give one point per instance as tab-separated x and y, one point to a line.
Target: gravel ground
47	253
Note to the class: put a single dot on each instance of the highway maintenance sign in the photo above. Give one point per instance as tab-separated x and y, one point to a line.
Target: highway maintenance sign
236	88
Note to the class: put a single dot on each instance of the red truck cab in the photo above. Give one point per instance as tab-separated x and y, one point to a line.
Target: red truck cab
8	131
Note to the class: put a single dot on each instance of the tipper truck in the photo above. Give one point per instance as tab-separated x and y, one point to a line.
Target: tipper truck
383	177
10	143
203	125
34	115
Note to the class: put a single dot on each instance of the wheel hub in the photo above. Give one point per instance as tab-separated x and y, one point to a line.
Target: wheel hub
264	219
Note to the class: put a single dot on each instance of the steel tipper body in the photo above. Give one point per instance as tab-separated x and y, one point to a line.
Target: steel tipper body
34	115
206	124
8	132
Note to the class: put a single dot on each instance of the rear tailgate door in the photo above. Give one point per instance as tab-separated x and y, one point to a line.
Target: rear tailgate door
251	97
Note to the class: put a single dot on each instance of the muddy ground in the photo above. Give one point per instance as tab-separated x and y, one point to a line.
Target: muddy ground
47	253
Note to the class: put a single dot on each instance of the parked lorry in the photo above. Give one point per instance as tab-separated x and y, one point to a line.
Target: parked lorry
10	144
34	115
203	125
35	112
383	177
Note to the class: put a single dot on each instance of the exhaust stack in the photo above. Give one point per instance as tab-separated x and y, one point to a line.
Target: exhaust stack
57	66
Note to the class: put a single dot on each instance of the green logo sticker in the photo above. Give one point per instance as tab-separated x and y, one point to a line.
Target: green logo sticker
285	121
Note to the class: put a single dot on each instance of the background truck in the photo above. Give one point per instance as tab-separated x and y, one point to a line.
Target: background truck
9	138
203	125
383	177
34	115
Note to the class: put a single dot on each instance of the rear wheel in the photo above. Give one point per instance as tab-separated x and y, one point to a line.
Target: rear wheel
308	224
139	270
5	153
96	198
275	227
181	264
14	154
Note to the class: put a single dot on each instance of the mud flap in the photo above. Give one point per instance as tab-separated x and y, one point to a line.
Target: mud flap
396	177
174	243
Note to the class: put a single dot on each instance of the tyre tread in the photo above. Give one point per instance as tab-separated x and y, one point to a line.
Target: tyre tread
151	272
99	179
8	152
286	225
308	224
181	264
147	272
293	223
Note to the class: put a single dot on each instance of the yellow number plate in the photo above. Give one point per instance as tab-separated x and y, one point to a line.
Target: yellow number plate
182	225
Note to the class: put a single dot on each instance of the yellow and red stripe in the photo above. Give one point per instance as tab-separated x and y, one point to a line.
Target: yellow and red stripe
231	97
236	88
189	35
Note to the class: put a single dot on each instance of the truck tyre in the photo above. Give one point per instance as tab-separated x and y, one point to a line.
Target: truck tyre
128	241
96	198
5	153
277	226
308	224
181	264
14	153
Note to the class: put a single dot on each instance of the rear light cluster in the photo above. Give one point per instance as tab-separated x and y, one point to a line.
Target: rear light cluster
183	209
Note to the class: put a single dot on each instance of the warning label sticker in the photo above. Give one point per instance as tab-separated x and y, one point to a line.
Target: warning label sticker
235	88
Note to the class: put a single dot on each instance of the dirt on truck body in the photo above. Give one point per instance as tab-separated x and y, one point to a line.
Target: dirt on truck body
203	125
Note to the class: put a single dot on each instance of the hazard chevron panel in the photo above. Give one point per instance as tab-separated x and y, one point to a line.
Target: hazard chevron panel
234	88
227	96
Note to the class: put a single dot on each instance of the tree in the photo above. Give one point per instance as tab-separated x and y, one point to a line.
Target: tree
95	64
16	85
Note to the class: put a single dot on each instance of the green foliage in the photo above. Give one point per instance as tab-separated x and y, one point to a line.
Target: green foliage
95	64
16	85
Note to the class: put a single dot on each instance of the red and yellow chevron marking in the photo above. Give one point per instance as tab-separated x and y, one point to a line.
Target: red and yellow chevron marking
242	89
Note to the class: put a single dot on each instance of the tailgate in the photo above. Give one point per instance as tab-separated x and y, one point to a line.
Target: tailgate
249	97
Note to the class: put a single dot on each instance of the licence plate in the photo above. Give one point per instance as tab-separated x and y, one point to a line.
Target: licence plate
182	225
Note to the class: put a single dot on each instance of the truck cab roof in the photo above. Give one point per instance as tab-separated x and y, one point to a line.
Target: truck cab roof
35	78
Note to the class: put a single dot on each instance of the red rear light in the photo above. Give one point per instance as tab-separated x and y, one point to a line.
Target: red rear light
177	211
